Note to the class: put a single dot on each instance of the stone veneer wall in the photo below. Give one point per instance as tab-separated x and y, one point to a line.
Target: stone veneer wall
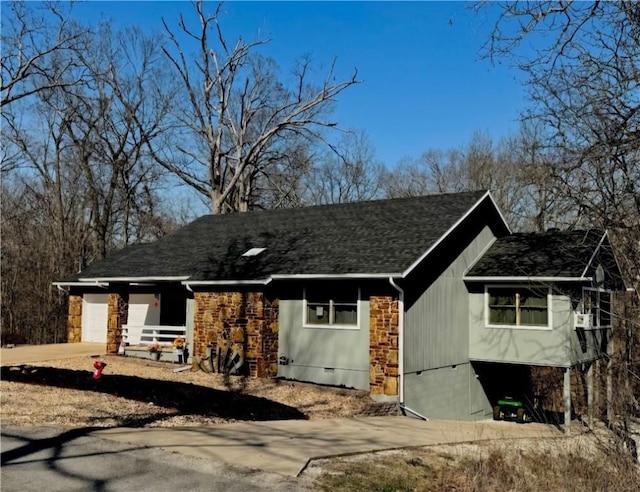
248	321
117	314
270	337
262	335
74	319
383	345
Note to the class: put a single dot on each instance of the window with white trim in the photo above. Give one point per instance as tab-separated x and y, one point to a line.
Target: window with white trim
517	307
331	307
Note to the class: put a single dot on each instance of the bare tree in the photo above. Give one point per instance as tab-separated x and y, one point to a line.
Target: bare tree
239	118
84	183
435	171
33	43
348	172
584	83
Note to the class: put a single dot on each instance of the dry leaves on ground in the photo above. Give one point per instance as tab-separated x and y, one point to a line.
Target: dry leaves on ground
140	392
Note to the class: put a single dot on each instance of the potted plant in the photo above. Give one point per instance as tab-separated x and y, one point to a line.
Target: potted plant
179	344
155	350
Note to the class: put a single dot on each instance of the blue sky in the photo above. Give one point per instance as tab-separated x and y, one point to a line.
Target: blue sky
424	84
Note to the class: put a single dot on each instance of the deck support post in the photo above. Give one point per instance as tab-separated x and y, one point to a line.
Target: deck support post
590	396
609	391
567	401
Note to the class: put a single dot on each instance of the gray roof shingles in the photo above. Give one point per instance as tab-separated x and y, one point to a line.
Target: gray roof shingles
543	254
375	237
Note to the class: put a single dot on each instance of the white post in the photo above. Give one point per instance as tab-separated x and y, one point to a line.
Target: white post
567	401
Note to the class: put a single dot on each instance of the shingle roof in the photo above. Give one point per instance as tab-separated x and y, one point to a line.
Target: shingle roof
375	237
545	254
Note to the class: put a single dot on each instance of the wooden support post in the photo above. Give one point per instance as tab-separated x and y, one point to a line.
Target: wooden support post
567	401
590	396
597	389
609	392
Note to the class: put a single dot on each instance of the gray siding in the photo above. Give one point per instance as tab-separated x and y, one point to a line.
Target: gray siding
522	345
437	323
447	393
338	357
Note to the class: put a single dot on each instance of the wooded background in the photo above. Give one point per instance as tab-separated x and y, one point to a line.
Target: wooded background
100	125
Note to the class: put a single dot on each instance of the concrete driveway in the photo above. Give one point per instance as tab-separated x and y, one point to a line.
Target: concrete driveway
23	354
286	447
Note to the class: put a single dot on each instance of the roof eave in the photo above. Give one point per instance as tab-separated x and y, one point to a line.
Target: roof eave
294	276
80	284
492	278
136	279
195	283
332	276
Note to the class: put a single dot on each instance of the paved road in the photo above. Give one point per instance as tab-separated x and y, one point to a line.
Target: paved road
48	459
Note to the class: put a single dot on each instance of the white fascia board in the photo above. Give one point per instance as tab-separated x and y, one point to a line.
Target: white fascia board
135	279
613	252
313	276
190	283
506	224
595	252
527	279
80	284
453	228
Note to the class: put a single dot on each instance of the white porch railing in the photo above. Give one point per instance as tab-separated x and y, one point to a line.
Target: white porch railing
143	335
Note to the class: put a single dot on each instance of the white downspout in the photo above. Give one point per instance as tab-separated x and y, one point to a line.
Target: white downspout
400	341
401	403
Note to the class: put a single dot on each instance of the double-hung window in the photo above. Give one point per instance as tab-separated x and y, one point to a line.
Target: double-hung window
331	308
517	307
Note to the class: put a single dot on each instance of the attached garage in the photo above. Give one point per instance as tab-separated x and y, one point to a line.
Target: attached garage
144	310
94	318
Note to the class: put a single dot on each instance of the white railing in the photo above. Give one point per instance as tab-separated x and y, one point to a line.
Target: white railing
143	335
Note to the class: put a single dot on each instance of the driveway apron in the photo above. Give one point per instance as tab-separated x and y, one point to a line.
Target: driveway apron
286	447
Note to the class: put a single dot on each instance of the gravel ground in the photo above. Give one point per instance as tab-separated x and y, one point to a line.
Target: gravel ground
145	393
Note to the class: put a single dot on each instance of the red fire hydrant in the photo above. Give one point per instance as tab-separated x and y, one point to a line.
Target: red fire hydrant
99	367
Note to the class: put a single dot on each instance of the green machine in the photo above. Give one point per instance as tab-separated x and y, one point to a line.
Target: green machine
510	409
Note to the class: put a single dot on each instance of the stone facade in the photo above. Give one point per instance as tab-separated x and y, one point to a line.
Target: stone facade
117	314
245	322
262	335
383	345
74	319
270	337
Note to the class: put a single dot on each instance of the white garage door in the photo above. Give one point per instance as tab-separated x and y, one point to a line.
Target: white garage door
94	318
144	310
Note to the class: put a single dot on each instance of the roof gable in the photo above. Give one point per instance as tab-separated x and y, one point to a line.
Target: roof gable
382	237
546	255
